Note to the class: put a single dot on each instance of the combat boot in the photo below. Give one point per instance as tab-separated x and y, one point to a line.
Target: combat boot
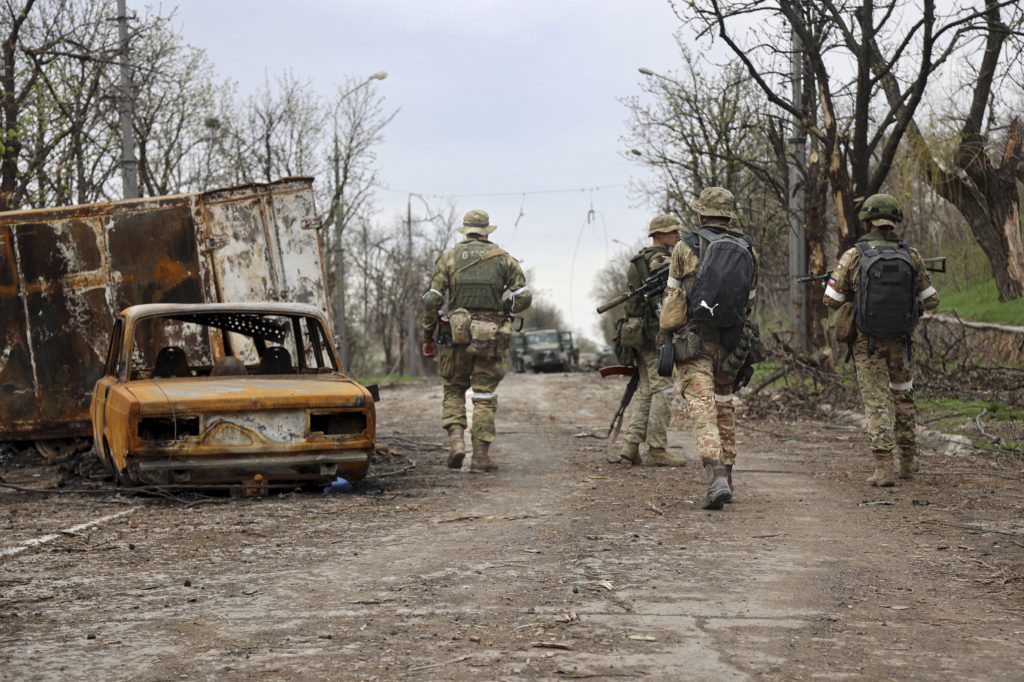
908	464
718	486
456	446
882	477
659	457
630	454
728	477
481	463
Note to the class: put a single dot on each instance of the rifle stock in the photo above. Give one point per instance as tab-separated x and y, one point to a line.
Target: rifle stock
627	396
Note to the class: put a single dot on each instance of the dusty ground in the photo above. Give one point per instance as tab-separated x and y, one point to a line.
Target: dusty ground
559	566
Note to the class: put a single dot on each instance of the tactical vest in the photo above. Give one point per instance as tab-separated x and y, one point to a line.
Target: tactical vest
477	282
885	303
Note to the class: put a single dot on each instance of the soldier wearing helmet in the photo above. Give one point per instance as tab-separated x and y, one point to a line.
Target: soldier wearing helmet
883	364
635	343
483	286
708	358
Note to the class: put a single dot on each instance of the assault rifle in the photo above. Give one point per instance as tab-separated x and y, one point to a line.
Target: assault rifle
650	287
937	264
627	396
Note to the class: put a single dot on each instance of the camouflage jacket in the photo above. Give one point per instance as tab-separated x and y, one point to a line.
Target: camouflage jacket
495	280
842	285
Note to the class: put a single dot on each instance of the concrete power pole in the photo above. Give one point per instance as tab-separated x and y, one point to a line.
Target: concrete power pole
410	332
129	165
798	293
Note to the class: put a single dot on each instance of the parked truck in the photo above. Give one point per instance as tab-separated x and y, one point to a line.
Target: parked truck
544	350
67	273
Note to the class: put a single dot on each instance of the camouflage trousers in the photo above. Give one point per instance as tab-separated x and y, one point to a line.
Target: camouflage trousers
708	394
652	403
461	371
887	390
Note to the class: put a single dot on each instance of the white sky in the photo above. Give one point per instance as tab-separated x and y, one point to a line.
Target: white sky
496	97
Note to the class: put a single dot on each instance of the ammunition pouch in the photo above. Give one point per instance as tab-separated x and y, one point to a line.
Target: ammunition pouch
632	333
624	354
673	310
846	329
489	339
460	321
688	345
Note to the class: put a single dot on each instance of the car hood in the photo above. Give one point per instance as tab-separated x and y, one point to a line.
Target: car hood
225	394
545	347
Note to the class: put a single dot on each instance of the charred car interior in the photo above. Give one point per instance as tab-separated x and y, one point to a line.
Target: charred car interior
227	394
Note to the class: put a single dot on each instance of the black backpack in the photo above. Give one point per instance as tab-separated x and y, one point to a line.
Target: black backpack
720	292
886	305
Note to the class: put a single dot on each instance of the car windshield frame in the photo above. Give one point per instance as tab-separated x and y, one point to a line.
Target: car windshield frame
320	342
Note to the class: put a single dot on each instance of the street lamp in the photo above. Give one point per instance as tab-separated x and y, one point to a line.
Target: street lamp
341	320
375	76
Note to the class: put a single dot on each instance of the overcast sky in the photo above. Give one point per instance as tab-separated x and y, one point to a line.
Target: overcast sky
496	98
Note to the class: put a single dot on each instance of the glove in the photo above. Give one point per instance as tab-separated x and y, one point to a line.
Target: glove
743	377
429	349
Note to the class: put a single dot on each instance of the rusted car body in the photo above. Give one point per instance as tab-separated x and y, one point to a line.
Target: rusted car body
65	273
226	394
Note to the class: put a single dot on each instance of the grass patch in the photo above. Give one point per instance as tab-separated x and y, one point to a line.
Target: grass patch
980	302
954	415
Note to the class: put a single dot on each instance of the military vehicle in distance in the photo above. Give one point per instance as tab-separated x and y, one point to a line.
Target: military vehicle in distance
544	350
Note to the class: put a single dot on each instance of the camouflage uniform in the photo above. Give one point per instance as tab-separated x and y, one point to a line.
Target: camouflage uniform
703	384
652	403
477	275
884	376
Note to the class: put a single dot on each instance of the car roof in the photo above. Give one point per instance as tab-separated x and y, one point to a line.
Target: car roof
270	308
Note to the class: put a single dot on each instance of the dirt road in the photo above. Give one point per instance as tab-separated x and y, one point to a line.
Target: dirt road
559	566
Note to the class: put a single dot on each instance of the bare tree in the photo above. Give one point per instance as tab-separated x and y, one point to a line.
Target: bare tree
894	49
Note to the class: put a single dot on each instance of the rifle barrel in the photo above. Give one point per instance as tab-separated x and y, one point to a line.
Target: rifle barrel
618	300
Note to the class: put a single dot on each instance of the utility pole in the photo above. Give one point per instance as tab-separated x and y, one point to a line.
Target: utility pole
410	331
798	293
129	165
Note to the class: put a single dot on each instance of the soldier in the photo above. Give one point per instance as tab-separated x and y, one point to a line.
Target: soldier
717	264
483	285
652	402
885	310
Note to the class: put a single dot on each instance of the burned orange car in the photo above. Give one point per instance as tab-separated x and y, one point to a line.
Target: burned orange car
226	394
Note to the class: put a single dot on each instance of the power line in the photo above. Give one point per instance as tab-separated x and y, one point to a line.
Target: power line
505	194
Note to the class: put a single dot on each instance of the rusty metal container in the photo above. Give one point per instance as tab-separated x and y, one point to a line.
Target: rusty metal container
65	273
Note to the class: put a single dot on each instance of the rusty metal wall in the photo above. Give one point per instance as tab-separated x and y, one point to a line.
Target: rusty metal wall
65	273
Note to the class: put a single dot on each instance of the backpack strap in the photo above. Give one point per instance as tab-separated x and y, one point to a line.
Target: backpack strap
487	256
639	261
692	239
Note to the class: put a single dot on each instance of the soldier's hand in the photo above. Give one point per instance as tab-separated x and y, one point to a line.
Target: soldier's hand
429	349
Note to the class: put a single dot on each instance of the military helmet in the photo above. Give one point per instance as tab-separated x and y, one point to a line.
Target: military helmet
666	222
881	209
717	202
477	221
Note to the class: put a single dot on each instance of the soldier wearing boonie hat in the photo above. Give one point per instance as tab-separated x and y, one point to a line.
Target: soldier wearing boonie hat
481	282
652	403
704	380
